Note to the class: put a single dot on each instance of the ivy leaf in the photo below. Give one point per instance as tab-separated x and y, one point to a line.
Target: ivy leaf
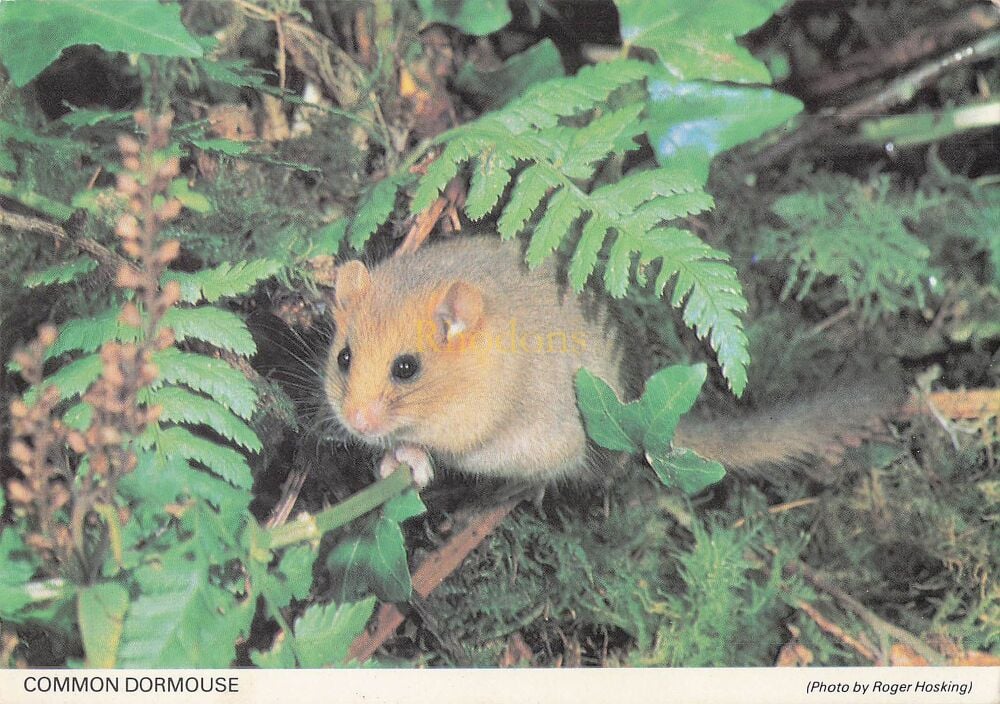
101	614
685	469
324	632
602	416
36	32
649	423
707	119
374	561
695	39
475	17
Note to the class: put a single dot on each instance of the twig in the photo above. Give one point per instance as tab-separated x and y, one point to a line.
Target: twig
781	508
426	220
837	632
430	574
916	45
26	223
289	495
880	625
896	92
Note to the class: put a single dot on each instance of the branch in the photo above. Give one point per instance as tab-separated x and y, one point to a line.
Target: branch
27	223
878	624
915	46
897	92
430	574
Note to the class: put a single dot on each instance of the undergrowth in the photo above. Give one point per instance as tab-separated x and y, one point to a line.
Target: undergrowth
169	255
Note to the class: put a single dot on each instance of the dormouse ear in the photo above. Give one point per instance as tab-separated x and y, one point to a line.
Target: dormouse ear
352	283
459	311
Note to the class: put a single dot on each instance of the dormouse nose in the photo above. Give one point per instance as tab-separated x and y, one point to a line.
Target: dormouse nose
367	419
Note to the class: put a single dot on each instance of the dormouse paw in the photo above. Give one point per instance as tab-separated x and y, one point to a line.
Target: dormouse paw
417	459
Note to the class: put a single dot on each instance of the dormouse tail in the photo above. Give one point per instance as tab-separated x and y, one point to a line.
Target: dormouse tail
794	433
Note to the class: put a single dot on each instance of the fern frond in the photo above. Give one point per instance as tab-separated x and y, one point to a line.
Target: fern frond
62	273
213	377
223	461
222	281
87	334
217	327
376	208
181	406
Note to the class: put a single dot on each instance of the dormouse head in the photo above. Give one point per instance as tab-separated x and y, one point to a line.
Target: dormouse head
397	356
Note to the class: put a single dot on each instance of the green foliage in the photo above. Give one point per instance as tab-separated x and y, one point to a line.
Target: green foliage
555	150
648	424
101	612
857	235
63	273
222	281
374	559
35	33
694	39
321	636
712	621
475	17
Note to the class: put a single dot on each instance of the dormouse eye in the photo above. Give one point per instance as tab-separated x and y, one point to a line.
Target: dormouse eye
344	358
405	366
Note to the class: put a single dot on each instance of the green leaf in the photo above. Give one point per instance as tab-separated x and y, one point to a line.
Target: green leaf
705	119
15	571
192	200
600	407
327	239
229	147
62	273
101	614
212	325
180	618
493	89
181	406
695	39
649	423
74	378
324	633
211	376
475	17
223	461
280	656
238	73
82	117
373	561
686	470
36	32
406	505
160	479
669	394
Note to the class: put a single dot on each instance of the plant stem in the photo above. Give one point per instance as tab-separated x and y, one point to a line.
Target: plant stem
313	527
